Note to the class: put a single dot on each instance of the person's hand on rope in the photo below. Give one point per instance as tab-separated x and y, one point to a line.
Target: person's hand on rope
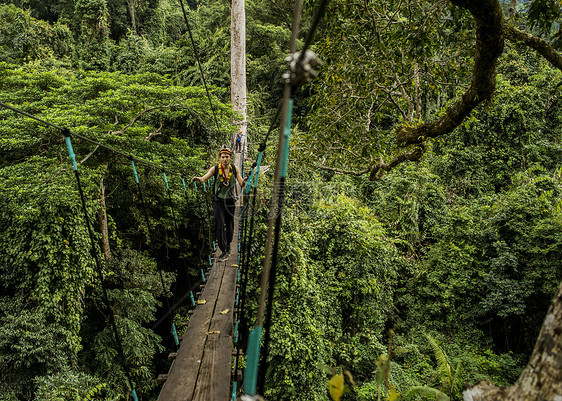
200	179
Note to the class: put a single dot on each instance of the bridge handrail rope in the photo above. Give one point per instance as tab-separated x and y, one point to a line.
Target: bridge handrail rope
208	199
206	219
176	228
273	275
254	339
248	243
201	210
297	73
94	253
68	141
242	290
239	315
65	130
149	230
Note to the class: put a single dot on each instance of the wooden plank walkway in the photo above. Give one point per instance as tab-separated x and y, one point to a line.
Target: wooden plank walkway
201	370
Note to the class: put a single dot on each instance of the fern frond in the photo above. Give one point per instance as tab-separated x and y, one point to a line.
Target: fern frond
442	362
427	392
457	382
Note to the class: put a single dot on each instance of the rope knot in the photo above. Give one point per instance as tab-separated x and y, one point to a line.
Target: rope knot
302	67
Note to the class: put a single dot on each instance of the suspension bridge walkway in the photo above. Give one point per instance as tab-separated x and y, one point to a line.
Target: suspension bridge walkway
201	368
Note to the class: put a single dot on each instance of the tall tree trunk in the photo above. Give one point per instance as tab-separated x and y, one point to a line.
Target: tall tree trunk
417	95
133	14
102	221
238	71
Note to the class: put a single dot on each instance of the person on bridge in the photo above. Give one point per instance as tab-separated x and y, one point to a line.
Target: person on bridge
238	146
224	199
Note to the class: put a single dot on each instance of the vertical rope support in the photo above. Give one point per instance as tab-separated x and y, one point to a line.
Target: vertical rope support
247	254
243	218
255	335
168	192
244	213
273	272
160	273
174	331
94	253
204	219
200	208
209	221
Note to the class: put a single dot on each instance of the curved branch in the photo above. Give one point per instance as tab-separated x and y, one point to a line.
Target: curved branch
378	170
541	46
488	18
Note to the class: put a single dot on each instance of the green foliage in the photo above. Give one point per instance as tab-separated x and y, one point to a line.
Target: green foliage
70	386
94	46
465	244
543	15
45	246
451	380
413	205
23	38
165	24
32	344
46	260
386	64
130	57
520	130
333	290
427	393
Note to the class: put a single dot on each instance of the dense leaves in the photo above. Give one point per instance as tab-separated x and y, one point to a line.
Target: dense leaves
54	315
411	285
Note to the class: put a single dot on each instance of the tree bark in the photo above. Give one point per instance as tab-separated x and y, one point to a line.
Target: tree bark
102	222
132	12
542	378
539	45
417	96
238	71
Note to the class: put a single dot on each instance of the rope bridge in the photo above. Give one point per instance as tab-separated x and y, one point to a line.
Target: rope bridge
205	366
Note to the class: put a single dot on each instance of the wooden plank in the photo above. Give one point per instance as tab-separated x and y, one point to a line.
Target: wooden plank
183	373
202	368
214	377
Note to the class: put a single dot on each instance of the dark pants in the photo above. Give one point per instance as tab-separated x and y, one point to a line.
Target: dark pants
224	210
